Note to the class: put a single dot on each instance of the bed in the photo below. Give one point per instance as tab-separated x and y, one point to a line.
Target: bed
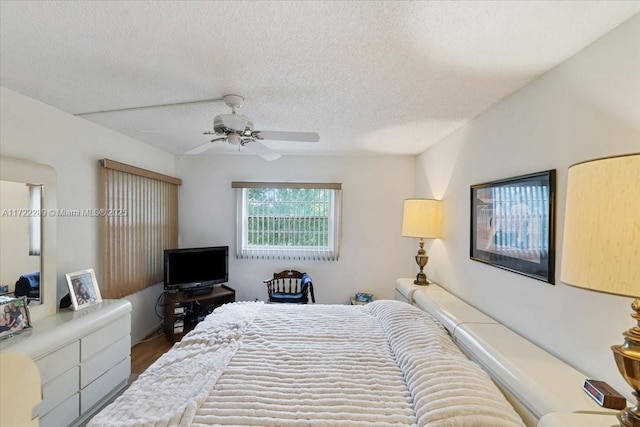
384	363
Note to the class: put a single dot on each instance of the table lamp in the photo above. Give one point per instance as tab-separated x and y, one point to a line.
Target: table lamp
601	248
422	218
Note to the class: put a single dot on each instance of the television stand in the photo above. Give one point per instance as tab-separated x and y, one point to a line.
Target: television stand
183	311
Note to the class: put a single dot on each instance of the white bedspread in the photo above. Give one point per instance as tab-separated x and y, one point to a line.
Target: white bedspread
385	363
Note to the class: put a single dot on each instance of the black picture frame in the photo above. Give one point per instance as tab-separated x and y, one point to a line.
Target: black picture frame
513	224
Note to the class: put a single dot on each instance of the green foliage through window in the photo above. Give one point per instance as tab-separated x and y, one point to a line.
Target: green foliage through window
288	216
288	220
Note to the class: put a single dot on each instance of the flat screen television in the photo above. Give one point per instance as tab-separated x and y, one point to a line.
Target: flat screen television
195	270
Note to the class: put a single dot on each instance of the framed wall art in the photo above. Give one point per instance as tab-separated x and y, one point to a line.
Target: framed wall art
83	288
513	224
15	316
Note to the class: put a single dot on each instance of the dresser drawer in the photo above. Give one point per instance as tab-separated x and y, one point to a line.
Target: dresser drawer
102	362
101	339
58	390
105	385
59	361
64	414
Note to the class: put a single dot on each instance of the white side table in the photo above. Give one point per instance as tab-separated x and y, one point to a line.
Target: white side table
560	419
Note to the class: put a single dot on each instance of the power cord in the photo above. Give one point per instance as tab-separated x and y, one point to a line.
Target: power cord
158	333
160	302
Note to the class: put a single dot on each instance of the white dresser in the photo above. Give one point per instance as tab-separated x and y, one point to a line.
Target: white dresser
83	358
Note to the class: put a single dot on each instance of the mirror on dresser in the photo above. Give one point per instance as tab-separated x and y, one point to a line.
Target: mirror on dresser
20	226
28	233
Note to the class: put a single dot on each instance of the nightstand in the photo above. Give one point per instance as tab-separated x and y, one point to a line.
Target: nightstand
560	419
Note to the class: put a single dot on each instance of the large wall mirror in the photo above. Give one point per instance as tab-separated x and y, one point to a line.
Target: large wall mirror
28	231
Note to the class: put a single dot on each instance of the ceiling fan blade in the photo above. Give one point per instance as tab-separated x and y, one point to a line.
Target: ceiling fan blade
286	136
261	150
231	121
204	147
146	107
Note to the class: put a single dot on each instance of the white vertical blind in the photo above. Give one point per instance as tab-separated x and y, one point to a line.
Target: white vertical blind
288	220
35	221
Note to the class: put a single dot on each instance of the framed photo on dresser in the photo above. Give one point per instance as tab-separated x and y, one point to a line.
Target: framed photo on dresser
83	288
15	316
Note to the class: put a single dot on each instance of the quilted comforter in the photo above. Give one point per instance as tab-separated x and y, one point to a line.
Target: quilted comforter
381	364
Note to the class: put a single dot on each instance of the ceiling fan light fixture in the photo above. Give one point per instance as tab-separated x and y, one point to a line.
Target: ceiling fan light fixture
234	139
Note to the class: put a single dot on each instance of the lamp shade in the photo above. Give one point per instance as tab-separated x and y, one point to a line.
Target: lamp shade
422	218
601	246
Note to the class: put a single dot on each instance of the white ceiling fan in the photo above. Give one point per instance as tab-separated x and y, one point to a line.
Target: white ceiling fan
237	129
233	128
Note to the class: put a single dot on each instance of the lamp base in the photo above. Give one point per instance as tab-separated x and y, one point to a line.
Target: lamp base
630	417
627	357
421	260
421	279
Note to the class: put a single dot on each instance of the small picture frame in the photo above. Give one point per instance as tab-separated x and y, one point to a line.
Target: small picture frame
15	317
83	288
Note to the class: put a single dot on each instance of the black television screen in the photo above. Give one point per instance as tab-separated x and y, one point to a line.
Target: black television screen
191	268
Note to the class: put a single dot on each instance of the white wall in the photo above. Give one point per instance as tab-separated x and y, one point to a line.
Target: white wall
38	132
373	252
588	107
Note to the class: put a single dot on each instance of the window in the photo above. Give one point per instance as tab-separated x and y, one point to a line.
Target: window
288	220
35	223
140	219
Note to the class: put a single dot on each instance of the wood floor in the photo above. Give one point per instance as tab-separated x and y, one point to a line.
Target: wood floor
144	353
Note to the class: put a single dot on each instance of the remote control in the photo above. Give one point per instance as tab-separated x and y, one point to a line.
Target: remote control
604	394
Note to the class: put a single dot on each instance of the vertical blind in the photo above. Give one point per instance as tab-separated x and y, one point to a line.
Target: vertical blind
139	220
288	220
35	221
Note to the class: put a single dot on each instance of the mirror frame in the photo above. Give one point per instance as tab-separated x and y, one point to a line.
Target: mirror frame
21	170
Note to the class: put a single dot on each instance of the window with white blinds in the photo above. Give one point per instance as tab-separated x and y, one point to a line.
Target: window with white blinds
140	219
288	220
35	222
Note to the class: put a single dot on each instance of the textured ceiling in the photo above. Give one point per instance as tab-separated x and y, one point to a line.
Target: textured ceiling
369	77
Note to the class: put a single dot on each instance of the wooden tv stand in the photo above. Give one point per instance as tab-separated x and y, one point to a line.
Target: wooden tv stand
183	312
